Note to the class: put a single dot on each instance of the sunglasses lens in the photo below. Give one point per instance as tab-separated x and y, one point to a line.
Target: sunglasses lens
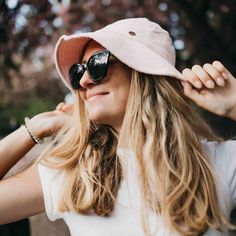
98	65
75	73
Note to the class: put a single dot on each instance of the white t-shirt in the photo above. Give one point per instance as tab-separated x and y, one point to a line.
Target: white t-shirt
125	218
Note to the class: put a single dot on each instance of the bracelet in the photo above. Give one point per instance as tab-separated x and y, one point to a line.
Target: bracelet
36	139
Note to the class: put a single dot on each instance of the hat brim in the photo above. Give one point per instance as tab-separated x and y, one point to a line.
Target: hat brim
70	49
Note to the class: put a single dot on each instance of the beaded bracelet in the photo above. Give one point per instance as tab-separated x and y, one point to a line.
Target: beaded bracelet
33	137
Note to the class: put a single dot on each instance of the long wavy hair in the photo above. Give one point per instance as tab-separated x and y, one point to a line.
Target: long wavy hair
165	134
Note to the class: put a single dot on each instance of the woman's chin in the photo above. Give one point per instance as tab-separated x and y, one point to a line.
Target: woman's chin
99	119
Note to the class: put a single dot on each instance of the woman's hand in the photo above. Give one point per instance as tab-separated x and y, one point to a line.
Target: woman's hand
68	108
212	87
49	123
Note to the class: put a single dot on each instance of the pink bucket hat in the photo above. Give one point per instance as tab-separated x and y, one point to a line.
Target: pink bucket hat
137	42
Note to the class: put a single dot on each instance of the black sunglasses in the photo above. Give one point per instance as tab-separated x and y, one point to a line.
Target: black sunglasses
97	67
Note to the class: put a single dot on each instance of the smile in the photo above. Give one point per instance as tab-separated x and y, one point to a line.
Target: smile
94	96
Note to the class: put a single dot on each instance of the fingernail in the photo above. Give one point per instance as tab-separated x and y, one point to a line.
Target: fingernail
224	75
198	84
220	81
210	84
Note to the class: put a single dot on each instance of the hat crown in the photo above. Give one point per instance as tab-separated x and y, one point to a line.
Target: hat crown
147	33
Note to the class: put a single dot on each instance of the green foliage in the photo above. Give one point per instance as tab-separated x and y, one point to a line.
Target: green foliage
17	113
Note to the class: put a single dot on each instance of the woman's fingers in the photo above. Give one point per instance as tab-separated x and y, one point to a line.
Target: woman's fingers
64	107
60	106
208	75
201	74
214	74
68	108
223	70
192	78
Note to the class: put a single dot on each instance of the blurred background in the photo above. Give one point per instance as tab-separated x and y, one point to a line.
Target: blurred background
202	31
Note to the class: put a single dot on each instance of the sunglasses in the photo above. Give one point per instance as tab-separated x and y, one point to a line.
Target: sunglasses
97	67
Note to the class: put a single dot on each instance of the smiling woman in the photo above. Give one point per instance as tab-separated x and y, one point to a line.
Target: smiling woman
105	102
132	158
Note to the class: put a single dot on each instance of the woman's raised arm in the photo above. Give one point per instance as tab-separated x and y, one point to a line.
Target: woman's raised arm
21	195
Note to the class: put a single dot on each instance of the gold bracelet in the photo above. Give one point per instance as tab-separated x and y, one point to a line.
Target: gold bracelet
33	137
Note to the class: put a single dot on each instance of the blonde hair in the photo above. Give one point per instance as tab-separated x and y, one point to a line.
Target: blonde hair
165	133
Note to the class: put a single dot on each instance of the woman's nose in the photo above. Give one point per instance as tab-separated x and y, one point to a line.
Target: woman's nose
86	81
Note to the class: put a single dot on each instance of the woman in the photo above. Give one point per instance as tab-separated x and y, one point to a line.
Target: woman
132	159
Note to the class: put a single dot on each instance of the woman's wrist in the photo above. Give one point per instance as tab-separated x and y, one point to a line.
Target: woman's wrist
35	134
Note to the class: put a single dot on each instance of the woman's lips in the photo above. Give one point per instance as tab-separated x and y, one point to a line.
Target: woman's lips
93	96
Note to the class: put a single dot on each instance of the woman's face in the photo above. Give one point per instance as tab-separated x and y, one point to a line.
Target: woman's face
106	101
